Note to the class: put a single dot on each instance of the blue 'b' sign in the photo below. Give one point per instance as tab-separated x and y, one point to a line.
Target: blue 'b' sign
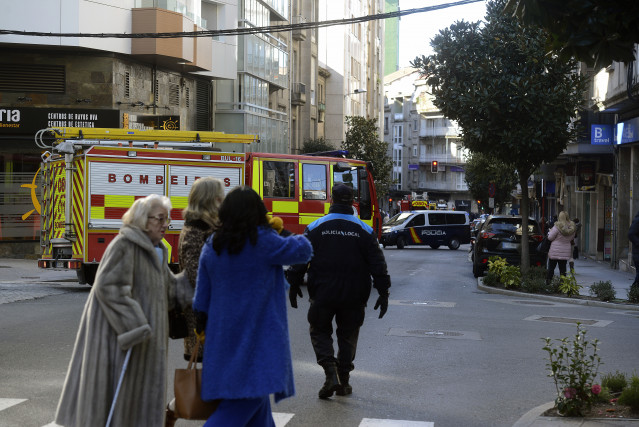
600	134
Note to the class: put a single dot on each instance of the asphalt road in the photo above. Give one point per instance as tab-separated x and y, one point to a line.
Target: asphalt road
445	354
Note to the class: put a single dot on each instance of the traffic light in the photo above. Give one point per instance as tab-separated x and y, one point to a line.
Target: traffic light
433	166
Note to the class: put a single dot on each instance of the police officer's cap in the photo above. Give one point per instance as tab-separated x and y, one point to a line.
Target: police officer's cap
343	194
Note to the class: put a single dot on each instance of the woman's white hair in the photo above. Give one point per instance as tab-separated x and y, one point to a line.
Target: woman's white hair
138	213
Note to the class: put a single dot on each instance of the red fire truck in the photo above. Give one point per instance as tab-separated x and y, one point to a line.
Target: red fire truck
92	176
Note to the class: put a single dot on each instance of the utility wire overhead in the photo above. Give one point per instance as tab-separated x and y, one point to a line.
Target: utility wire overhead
245	30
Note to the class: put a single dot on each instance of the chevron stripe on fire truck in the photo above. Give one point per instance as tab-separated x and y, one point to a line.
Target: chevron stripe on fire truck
78	207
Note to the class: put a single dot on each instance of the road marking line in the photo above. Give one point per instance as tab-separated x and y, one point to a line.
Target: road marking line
8	403
281	418
373	422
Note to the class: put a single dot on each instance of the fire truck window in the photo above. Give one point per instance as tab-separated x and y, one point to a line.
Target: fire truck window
349	178
279	179
314	182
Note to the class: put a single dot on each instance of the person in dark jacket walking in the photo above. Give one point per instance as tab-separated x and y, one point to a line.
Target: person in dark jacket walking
345	256
633	236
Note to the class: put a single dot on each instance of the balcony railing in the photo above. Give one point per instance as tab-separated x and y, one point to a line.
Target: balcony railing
443	159
439	131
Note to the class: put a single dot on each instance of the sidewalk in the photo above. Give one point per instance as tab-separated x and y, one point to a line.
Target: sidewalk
588	271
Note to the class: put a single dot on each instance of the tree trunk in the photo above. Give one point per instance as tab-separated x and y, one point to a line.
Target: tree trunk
523	210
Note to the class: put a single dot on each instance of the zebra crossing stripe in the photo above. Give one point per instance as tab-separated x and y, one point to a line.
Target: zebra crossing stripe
281	418
374	422
8	403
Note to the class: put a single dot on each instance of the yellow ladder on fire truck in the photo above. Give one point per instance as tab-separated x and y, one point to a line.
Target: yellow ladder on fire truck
130	137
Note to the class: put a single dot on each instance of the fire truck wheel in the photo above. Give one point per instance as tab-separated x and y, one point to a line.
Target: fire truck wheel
400	242
453	244
434	246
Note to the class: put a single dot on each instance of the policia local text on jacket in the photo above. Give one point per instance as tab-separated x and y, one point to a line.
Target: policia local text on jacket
345	256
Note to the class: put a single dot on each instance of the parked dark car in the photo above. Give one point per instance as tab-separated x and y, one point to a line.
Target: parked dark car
500	236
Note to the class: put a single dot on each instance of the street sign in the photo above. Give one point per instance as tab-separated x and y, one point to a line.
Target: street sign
492	189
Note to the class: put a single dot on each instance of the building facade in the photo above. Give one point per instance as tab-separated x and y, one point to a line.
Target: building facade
594	179
352	59
257	100
58	81
418	135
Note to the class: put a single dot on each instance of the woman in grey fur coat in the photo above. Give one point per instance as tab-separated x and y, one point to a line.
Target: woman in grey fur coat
126	308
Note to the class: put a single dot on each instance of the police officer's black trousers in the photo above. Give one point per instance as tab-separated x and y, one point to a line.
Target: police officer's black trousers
348	321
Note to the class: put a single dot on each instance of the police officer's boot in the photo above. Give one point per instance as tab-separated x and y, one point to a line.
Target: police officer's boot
331	385
345	388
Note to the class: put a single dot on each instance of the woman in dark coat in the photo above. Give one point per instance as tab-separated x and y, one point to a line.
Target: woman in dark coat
242	293
127	308
200	220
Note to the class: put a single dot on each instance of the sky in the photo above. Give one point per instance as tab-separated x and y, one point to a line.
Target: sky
416	30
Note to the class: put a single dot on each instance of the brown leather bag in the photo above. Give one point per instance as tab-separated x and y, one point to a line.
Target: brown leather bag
187	387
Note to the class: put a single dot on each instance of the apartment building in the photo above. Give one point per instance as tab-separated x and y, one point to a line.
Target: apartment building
56	81
257	100
594	178
418	135
351	57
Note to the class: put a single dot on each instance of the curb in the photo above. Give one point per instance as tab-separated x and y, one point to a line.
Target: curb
529	418
566	300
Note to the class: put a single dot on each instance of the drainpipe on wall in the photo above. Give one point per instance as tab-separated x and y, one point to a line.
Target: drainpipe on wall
614	260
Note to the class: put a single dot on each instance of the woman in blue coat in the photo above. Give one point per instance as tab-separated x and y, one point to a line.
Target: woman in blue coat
241	294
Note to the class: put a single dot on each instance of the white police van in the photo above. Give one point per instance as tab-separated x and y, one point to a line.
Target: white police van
431	227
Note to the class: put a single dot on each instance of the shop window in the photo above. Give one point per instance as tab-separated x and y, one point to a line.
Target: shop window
19	218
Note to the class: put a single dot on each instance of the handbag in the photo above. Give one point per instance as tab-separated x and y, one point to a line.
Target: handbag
544	246
187	387
178	328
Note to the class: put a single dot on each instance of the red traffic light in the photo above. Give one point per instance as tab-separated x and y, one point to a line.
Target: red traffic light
433	166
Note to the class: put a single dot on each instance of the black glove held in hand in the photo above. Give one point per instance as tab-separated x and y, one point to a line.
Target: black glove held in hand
382	303
293	293
200	322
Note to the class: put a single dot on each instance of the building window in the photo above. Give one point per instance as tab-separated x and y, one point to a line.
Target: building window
19	219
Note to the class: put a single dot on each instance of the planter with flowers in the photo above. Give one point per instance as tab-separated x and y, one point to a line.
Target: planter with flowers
574	366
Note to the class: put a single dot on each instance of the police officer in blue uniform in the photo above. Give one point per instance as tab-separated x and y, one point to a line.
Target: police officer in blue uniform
346	255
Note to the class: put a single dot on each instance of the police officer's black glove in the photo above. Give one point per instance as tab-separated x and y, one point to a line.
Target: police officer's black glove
382	303
200	324
294	292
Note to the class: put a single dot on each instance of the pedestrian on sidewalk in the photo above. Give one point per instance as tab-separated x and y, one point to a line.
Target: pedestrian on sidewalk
200	220
560	236
127	308
633	236
345	256
240	304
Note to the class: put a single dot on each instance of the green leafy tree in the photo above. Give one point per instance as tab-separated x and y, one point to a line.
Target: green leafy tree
363	143
596	32
512	101
316	146
481	170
